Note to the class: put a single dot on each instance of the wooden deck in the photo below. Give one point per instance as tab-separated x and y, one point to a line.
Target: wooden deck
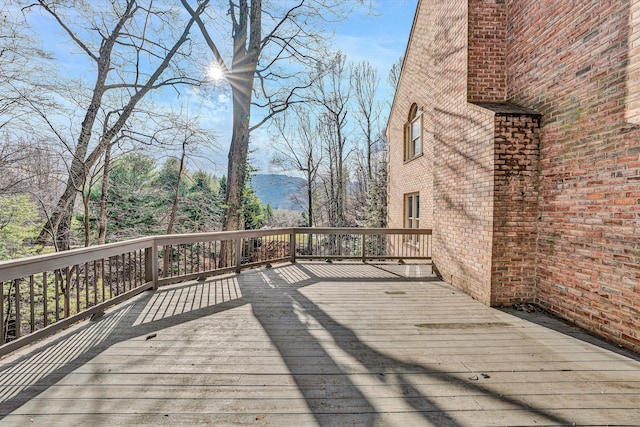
317	344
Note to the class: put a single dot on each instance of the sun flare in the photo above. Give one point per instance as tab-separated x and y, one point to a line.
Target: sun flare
215	72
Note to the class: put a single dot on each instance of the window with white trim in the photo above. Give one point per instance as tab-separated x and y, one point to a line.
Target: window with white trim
412	214
413	134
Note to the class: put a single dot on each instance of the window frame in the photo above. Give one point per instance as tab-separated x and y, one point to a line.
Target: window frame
413	141
412	215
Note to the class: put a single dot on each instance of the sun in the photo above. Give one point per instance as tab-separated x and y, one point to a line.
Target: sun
215	72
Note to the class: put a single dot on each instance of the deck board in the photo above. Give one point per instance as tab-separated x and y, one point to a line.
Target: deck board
317	344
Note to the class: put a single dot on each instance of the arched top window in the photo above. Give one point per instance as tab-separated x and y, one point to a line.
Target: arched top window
413	134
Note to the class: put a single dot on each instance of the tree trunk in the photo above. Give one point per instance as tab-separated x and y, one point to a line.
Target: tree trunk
59	225
248	27
176	198
102	231
86	194
237	160
237	167
309	200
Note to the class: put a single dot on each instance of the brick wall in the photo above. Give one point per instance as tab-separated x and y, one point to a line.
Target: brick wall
569	61
415	175
487	45
513	268
572	240
454	174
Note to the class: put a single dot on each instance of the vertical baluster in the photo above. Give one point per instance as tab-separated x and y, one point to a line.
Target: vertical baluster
123	276
206	256
18	324
238	252
169	273
103	284
45	296
202	257
314	243
86	285
67	291
95	282
136	268
78	297
192	256
132	270
121	273
2	323
126	270
138	256
140	279
395	244
185	259
110	277
292	246
213	257
124	273
170	263
57	275
32	314
119	285
198	266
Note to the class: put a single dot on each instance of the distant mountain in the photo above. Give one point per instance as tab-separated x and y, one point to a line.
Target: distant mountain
276	190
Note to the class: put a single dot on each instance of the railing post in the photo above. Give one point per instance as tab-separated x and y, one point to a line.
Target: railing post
238	243
364	252
151	265
292	246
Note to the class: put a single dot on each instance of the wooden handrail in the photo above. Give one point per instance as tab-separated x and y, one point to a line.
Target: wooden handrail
71	284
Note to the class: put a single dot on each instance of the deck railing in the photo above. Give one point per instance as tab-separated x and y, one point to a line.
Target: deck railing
43	294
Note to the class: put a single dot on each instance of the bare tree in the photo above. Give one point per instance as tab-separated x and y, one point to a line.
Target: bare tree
21	69
129	65
265	35
189	138
365	83
297	147
332	95
394	73
26	163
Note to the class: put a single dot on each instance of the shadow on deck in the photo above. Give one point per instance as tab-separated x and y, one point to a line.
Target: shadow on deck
316	344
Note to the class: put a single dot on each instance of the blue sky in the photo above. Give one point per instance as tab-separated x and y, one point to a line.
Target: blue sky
379	37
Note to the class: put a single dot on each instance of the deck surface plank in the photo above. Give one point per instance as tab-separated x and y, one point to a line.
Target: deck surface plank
313	344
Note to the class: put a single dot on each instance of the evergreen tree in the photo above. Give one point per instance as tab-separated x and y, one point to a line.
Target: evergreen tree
373	213
134	204
203	203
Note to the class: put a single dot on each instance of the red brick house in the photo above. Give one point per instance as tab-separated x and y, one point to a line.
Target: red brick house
515	135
